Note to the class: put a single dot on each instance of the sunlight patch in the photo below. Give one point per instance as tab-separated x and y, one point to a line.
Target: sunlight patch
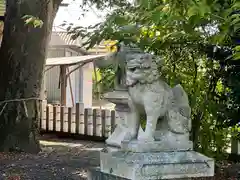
52	143
80	173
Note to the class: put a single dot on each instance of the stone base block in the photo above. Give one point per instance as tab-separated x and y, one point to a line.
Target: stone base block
155	146
96	174
156	165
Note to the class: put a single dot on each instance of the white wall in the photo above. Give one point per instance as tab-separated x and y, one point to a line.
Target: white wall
81	81
51	81
70	83
87	86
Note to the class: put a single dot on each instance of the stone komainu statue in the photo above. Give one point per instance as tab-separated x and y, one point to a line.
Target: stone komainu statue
167	109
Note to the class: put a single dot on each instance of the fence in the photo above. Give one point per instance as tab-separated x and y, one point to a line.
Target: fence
87	122
77	120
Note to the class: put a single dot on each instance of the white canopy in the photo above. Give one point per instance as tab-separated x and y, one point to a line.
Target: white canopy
73	60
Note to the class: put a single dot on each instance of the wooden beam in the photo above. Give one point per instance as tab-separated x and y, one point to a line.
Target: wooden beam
70	86
81	65
47	69
63	84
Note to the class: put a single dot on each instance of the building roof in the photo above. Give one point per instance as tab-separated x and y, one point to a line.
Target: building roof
60	38
73	60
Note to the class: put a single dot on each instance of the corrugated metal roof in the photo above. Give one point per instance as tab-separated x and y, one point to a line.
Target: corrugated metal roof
67	38
72	60
2	7
64	38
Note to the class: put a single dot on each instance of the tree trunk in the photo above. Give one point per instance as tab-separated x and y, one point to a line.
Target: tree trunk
23	53
196	123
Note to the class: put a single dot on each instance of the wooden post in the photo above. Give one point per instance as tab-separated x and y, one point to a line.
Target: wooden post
85	121
70	86
47	119
81	118
61	119
50	110
65	119
42	123
58	118
94	122
103	122
77	114
54	118
113	121
69	120
107	123
98	120
43	114
63	84
89	120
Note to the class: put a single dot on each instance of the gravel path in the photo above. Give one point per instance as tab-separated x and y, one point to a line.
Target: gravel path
69	160
58	161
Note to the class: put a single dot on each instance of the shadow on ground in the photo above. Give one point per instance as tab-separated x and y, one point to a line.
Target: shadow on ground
59	160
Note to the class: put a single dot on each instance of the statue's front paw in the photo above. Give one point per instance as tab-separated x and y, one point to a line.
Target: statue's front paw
145	137
128	137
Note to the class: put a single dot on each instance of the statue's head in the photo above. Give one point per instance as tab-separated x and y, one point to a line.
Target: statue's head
142	68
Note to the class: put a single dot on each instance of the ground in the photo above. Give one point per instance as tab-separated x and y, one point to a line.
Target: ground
64	160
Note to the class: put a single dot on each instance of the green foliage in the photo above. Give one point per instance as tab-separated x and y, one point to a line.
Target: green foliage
236	131
236	56
33	21
178	31
106	81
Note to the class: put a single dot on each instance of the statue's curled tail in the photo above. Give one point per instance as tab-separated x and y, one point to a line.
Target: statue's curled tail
179	114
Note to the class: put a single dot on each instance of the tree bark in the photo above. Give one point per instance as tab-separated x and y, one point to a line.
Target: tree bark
23	53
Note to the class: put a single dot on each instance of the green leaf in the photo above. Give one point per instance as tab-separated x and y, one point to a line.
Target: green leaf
192	11
156	16
235	19
37	23
144	3
236	5
120	20
34	21
236	56
237	48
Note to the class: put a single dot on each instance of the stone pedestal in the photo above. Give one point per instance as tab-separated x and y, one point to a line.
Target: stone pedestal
116	164
124	164
155	146
155	165
96	174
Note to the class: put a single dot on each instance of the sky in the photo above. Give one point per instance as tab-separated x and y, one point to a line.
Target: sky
72	14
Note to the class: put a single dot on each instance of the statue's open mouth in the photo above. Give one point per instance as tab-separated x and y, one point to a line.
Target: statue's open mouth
132	69
131	84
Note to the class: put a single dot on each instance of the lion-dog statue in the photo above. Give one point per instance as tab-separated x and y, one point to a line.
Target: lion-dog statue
166	109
